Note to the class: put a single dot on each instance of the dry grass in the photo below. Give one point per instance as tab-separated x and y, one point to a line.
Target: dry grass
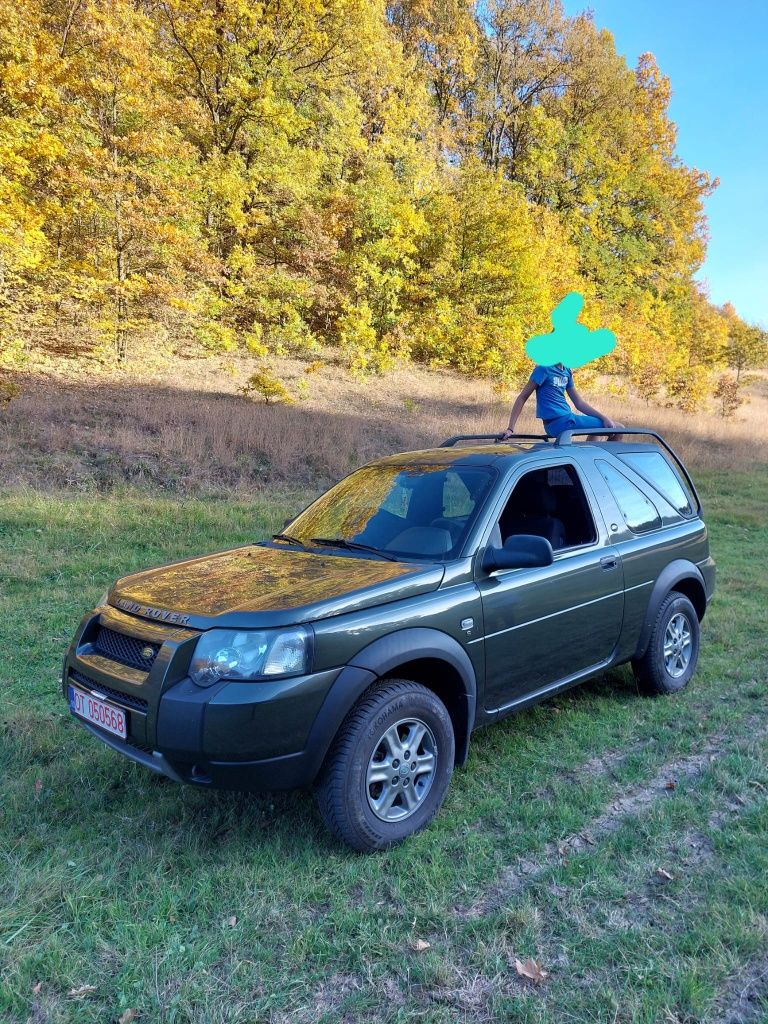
192	431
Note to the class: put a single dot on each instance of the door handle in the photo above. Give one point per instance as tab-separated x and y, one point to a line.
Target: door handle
609	562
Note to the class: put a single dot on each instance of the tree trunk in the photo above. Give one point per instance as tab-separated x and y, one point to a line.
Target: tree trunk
121	255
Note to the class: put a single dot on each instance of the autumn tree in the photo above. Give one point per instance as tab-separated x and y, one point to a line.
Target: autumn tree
746	346
403	179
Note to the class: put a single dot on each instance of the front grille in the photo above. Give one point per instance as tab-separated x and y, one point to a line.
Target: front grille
127	700
128	650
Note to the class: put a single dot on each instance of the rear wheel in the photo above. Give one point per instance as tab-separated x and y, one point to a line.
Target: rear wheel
389	768
673	648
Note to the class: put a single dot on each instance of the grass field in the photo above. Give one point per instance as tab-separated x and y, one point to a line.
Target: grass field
189	906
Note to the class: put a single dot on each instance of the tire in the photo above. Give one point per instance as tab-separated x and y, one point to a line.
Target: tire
673	648
371	813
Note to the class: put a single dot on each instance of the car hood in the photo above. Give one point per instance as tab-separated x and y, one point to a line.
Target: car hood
265	586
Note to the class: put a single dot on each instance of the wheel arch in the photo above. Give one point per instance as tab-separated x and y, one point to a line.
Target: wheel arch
426	656
682	576
437	661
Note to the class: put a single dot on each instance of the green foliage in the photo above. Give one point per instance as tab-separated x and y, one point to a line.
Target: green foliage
403	180
746	345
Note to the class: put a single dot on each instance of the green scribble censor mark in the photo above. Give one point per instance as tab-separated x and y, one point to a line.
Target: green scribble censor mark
570	342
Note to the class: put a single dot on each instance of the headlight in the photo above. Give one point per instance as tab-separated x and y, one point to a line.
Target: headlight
250	654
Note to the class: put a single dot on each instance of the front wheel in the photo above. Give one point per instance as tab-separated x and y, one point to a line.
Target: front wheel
389	768
673	648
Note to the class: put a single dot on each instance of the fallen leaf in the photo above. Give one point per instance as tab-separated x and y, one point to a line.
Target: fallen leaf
587	839
670	784
128	1017
663	873
232	921
37	989
81	992
420	945
563	849
531	969
38	786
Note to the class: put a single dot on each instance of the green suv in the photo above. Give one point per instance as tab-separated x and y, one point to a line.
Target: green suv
423	596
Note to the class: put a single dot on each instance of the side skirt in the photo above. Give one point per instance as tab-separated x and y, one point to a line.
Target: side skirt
536	696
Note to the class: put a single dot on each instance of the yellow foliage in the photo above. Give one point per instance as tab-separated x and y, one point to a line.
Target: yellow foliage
264	383
356	173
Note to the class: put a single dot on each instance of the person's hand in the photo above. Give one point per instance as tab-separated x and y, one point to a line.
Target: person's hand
608	422
509	432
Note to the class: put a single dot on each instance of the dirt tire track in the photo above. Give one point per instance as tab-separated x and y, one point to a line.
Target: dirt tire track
637	799
745	998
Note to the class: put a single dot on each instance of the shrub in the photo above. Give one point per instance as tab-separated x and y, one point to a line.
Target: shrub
8	391
728	393
264	383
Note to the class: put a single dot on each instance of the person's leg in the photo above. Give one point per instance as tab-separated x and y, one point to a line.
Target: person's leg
588	423
592	421
553	428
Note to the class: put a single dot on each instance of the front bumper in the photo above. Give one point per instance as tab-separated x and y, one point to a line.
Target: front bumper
232	735
291	771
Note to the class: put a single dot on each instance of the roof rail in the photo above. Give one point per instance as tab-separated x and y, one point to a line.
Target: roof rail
566	438
451	441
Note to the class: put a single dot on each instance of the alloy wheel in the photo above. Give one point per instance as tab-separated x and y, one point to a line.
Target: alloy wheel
401	770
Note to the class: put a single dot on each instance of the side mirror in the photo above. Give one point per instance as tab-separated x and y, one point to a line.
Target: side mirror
523	551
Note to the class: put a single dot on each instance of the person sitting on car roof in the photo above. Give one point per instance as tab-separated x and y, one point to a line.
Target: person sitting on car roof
551	384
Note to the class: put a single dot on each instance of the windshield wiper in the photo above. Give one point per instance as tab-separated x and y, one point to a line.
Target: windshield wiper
287	537
352	545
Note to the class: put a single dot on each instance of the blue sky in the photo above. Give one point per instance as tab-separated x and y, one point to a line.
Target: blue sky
716	56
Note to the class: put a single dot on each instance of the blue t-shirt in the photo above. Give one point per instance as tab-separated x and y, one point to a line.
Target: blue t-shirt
551	384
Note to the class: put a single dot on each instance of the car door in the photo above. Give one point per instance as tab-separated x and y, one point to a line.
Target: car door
546	624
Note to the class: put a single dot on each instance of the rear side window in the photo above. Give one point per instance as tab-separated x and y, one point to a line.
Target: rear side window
639	512
657	471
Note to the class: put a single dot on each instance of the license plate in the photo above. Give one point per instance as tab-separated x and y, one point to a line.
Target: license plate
98	712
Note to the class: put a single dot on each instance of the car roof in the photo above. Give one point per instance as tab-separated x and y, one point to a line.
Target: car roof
490	454
470	455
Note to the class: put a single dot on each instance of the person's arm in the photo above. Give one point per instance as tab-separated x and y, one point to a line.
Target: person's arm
588	409
517	406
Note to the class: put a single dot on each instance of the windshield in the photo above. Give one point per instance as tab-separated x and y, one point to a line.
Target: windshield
405	511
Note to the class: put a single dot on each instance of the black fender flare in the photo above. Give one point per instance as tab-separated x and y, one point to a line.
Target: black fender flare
379	659
670	576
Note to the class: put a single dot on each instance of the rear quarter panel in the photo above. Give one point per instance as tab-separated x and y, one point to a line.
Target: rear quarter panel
645	556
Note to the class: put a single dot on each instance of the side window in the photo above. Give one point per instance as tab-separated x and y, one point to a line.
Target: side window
657	471
639	512
550	503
